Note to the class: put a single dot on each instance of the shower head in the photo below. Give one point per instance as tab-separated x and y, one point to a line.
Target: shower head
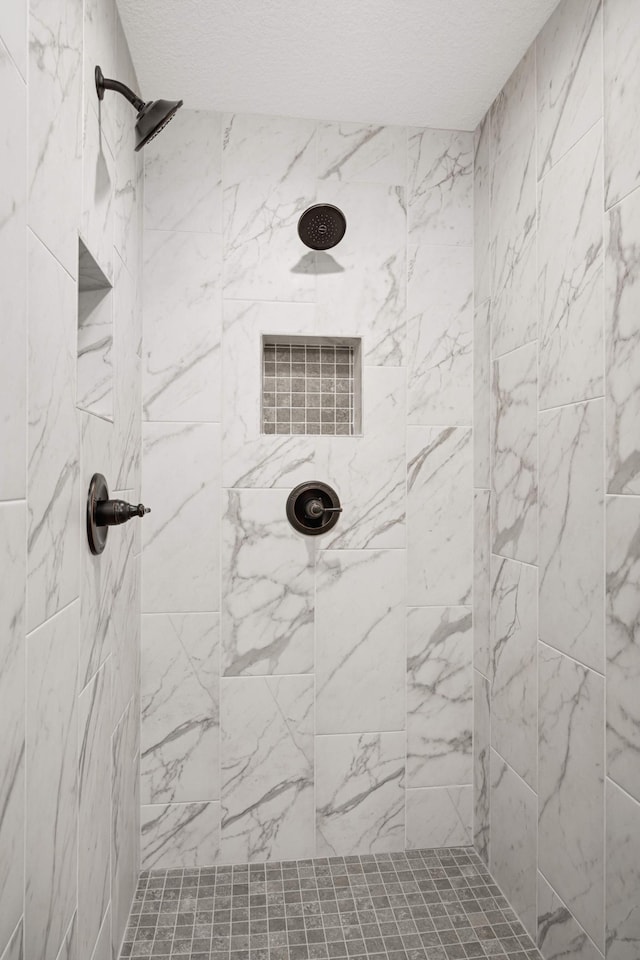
322	226
152	116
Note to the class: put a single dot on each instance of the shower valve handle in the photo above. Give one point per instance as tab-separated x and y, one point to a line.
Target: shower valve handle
315	508
110	513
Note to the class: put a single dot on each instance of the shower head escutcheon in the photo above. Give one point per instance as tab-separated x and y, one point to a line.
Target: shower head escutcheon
153	116
322	226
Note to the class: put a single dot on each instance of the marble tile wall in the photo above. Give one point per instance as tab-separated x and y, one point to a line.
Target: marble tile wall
69	656
306	696
556	474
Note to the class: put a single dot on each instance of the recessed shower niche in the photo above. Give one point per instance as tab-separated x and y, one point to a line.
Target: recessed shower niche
95	338
311	385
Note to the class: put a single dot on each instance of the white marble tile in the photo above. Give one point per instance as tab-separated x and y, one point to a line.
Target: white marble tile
440	335
98	191
274	148
15	947
13	268
513	840
369	472
513	219
264	259
180	835
249	458
69	948
513	211
267	587
12	715
94	391
52	783
481	580
482	160
94	808
183	174
13	31
571	786
568	78
571	531
103	945
570	276
99	47
514	468
482	396
439	817
181	534
623	642
560	936
118	118
125	823
360	649
125	616
621	99
96	572
439	696
182	320
440	182
439	515
267	769
622	337
55	126
513	112
362	153
53	439
481	765
127	334
360	794
361	283
514	668
180	708
623	875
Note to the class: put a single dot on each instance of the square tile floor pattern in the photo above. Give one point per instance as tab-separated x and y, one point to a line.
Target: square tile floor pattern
421	905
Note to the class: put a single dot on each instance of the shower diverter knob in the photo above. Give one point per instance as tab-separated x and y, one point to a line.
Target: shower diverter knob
313	508
103	513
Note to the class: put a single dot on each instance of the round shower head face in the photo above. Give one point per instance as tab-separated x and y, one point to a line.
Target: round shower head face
153	118
322	226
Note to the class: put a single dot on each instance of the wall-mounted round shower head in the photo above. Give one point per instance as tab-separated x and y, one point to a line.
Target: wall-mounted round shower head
152	116
322	226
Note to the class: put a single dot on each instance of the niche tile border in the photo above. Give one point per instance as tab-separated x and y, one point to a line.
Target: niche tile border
311	386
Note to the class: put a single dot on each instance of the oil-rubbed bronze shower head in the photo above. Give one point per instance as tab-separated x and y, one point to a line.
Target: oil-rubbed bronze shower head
152	116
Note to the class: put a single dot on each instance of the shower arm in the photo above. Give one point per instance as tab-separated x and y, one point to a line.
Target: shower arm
102	84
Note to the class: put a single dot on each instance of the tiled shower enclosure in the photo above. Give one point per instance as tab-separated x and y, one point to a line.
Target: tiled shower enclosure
306	696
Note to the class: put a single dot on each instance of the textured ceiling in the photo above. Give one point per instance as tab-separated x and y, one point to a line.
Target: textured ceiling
435	63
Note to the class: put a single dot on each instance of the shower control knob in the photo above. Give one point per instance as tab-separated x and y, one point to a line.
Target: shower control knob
109	513
103	513
313	508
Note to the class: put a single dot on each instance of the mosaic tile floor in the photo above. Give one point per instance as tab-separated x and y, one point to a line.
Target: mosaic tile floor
421	905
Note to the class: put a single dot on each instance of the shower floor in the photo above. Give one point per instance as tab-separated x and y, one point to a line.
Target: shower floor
421	905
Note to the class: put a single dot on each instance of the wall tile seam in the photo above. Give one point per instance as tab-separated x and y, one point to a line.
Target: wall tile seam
520	778
577	922
5	947
18	71
570	403
567	153
608	210
101	666
14	501
107	914
28	634
525	563
484	677
439	786
622	790
35	234
575	660
508	353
